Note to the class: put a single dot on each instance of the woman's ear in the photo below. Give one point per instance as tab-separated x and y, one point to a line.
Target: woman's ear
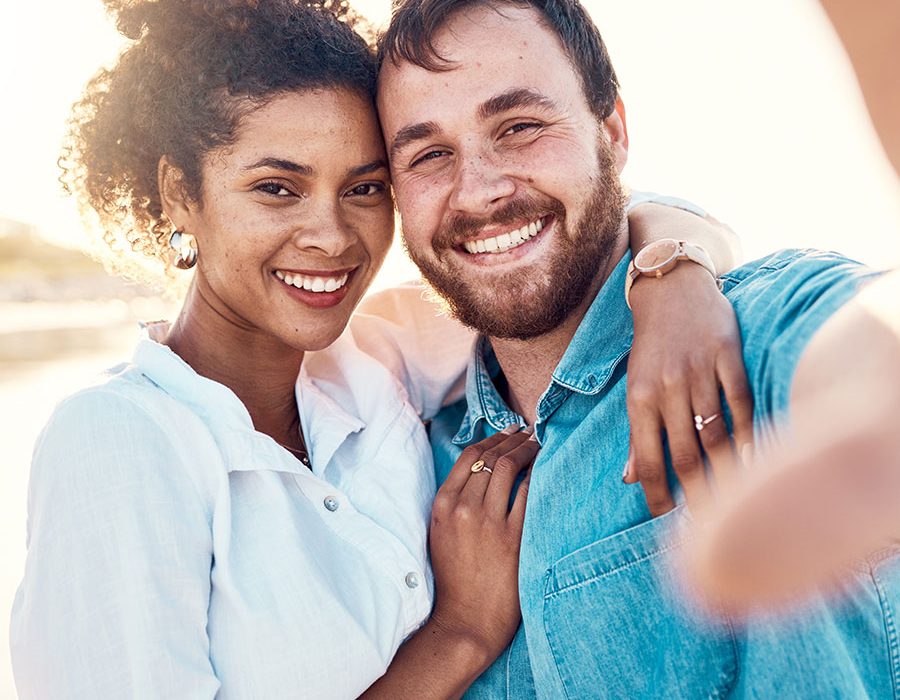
176	204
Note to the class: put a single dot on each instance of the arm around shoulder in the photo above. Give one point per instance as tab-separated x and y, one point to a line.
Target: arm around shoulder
117	579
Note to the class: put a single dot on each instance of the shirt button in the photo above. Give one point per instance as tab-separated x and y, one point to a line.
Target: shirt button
412	579
331	503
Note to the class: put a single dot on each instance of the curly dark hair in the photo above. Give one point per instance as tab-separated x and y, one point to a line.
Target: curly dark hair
414	24
193	70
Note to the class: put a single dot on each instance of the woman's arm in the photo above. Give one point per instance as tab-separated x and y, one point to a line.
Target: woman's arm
687	346
652	220
474	542
117	580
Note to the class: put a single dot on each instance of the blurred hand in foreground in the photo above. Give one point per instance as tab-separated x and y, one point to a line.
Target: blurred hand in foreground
804	513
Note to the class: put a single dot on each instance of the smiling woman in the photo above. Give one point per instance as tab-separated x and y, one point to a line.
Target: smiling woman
222	528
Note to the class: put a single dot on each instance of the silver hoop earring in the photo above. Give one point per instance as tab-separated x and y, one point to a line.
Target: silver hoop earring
183	250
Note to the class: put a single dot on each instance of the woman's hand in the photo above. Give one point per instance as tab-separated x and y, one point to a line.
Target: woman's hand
475	538
687	346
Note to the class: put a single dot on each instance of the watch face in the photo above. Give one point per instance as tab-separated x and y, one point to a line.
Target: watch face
656	255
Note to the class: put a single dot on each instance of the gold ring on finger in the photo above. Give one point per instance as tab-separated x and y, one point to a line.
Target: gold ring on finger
479	466
700	422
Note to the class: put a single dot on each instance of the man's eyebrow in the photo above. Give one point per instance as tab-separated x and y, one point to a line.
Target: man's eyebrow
281	164
368	168
513	99
411	133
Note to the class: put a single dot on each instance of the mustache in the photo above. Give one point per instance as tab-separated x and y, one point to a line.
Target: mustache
462	227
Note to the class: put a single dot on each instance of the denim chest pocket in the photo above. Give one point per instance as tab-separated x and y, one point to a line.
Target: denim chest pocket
618	629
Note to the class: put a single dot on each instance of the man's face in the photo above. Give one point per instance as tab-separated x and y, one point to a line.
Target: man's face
506	181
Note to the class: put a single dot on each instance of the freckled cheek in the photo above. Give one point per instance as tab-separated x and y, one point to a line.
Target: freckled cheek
421	205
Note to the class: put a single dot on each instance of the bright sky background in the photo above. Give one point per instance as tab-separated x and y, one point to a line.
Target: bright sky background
748	109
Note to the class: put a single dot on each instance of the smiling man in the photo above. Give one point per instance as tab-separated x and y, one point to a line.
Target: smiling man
506	138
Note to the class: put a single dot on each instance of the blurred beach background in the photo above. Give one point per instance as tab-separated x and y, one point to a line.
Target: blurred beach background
748	109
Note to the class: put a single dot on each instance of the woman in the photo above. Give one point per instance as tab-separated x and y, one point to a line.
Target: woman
202	523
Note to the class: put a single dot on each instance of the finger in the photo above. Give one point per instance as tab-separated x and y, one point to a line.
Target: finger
516	517
507	468
462	469
477	485
713	432
687	459
649	461
734	381
628	475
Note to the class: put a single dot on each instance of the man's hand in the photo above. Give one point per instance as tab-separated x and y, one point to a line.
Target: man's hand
831	496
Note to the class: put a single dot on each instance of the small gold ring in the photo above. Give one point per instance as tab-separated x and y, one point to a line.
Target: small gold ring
700	422
479	466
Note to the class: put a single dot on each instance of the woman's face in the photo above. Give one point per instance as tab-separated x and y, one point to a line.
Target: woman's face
296	217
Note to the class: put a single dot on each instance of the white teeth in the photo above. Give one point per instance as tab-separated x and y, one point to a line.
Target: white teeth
313	284
505	241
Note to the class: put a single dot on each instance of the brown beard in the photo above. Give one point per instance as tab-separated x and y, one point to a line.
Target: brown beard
525	304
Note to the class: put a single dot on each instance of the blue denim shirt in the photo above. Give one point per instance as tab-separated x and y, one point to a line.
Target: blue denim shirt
601	616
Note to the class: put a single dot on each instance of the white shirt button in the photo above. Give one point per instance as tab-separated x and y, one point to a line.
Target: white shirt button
412	579
331	503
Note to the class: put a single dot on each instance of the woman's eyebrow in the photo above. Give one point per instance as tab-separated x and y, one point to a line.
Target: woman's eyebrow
369	168
513	99
281	164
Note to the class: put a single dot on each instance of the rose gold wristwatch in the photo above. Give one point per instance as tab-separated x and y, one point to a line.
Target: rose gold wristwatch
662	256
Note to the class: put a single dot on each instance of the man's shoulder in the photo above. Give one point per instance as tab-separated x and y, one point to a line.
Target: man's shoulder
790	268
781	301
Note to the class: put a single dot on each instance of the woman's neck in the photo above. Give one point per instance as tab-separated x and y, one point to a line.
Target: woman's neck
259	368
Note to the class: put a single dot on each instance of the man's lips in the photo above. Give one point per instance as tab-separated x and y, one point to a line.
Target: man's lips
508	240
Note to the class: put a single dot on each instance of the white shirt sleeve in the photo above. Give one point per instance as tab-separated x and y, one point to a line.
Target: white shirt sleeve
114	599
407	330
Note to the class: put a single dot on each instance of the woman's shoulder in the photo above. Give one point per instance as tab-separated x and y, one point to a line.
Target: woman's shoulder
123	428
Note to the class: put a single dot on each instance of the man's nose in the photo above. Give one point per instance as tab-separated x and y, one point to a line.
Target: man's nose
480	184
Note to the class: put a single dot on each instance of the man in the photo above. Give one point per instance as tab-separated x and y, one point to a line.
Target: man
506	136
834	494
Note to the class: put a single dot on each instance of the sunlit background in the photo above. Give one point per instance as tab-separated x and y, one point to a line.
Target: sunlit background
748	109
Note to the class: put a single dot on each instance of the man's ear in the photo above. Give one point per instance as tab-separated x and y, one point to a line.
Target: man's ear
616	129
176	204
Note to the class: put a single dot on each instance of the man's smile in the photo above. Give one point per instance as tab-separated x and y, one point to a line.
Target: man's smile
506	241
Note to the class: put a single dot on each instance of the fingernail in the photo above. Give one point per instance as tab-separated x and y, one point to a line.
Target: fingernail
747	453
510	429
627	468
528	430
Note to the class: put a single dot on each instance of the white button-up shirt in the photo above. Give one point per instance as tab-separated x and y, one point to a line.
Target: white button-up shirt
175	552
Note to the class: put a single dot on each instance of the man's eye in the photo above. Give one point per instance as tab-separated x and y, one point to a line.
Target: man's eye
367	189
275	189
431	155
522	126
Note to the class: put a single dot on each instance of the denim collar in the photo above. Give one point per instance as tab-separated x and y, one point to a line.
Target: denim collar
601	341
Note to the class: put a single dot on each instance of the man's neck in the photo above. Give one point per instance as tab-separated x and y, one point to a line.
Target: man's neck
528	365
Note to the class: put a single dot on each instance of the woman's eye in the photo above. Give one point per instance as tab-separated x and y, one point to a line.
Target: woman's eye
275	189
431	155
367	189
